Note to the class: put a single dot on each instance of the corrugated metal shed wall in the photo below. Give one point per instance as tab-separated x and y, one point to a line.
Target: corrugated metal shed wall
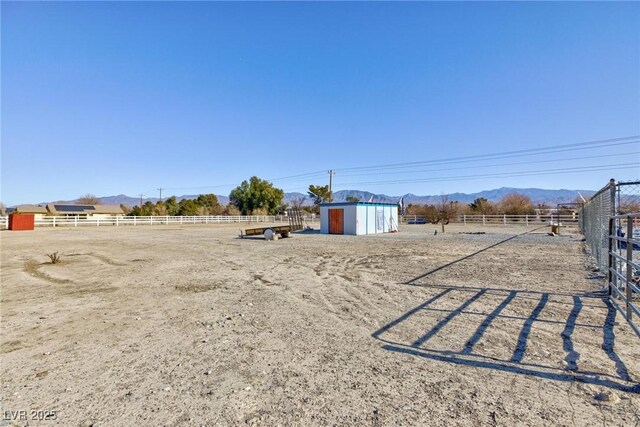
362	218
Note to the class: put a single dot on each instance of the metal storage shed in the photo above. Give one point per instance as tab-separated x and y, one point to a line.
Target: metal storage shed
358	218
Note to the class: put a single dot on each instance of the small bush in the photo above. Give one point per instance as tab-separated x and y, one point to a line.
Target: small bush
54	257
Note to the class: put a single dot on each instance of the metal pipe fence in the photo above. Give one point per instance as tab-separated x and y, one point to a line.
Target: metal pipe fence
99	221
624	265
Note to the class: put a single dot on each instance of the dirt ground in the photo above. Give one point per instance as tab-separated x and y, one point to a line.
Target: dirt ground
192	326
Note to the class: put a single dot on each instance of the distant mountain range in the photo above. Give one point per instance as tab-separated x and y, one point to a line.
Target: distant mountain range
537	195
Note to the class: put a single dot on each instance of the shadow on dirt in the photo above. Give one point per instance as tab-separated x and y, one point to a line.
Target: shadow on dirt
516	364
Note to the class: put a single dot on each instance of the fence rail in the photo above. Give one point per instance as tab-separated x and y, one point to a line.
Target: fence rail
624	265
500	219
99	221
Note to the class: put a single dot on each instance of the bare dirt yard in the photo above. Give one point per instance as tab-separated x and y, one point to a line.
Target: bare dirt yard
191	326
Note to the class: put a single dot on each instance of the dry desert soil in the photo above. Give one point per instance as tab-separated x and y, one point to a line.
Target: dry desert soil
190	325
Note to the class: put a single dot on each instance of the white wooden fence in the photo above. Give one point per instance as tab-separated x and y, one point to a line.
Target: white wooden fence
63	221
500	219
99	221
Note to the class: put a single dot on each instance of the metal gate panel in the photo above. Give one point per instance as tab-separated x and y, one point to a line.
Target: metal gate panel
624	266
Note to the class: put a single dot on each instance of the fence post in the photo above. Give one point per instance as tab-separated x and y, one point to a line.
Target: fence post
116	221
610	276
75	221
483	220
134	220
504	219
464	220
526	220
54	221
98	222
612	231
629	268
612	189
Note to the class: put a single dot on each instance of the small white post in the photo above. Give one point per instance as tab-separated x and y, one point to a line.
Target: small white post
54	221
151	220
483	220
464	219
116	220
134	220
75	221
98	222
181	220
526	220
504	219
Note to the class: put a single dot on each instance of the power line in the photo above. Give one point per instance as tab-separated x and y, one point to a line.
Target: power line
378	169
503	175
532	151
495	164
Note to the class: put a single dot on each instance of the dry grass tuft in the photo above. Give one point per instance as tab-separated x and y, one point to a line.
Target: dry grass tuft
54	257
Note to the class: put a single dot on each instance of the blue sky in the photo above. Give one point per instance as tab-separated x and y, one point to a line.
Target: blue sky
111	98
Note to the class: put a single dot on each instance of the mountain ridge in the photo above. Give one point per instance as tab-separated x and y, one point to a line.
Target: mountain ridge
537	195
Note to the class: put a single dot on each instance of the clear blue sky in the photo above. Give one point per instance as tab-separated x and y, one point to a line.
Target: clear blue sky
110	98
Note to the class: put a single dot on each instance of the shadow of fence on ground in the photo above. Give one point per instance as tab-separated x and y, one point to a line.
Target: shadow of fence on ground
515	364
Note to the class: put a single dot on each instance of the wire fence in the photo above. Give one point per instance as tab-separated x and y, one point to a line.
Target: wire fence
615	198
594	222
610	223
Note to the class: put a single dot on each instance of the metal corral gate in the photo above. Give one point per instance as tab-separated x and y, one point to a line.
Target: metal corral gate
624	265
610	222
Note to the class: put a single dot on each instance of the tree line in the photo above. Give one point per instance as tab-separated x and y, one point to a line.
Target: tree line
510	204
256	196
252	197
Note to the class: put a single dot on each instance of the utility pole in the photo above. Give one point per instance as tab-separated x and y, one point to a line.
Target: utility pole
331	173
160	190
141	196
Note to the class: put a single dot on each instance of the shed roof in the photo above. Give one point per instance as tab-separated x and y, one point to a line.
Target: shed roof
34	209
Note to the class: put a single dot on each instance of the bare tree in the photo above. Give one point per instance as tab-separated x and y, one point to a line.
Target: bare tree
88	199
298	202
446	210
